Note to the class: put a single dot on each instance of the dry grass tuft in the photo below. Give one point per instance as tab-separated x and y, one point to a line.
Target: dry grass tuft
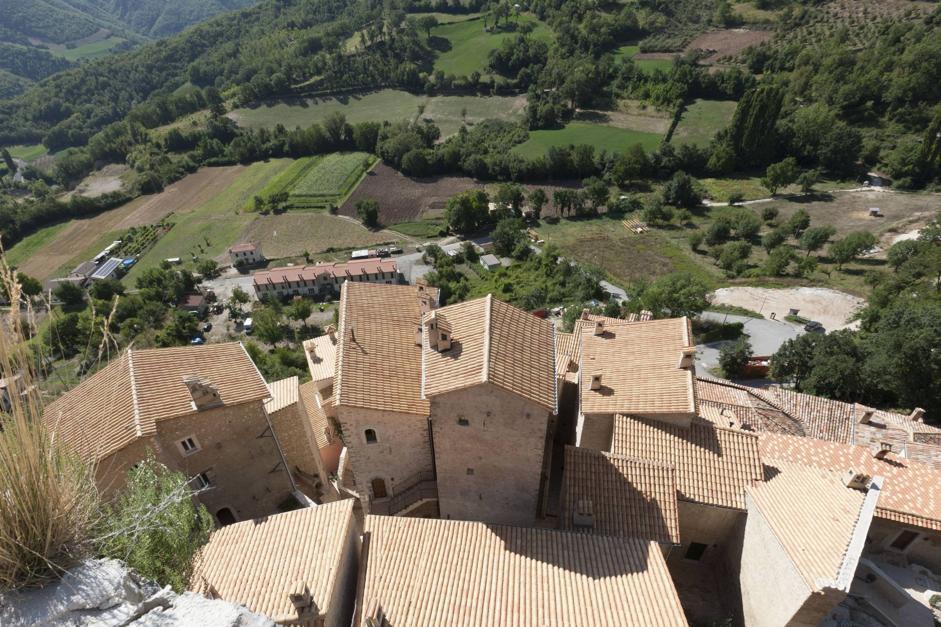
48	499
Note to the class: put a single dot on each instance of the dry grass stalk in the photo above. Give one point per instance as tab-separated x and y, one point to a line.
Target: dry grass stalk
48	499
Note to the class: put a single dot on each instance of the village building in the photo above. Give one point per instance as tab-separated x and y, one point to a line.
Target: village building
323	280
293	426
642	369
296	568
246	254
427	573
199	410
317	398
802	543
778	410
488	370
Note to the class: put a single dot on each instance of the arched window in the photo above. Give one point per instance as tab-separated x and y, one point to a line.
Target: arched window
379	488
371	436
225	516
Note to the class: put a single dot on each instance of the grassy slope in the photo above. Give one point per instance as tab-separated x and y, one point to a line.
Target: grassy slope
626	257
601	137
385	105
471	44
647	65
93	50
28	246
220	221
27	153
290	234
702	120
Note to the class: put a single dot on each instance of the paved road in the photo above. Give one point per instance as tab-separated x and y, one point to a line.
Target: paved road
766	336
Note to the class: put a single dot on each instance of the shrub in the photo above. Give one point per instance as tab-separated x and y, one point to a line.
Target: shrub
156	526
769	214
734	356
695	240
49	502
735	198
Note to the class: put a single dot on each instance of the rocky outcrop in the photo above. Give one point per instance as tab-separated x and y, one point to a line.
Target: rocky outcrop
105	593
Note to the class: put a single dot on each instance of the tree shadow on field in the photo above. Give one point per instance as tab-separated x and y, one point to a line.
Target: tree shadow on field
439	43
812	197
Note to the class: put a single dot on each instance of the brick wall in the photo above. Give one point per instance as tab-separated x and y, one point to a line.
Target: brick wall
298	444
489	469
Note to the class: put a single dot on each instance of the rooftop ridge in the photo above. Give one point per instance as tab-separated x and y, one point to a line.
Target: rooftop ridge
130	368
487	322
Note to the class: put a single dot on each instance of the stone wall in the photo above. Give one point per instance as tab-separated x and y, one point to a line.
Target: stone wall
595	431
490	468
294	432
239	453
402	449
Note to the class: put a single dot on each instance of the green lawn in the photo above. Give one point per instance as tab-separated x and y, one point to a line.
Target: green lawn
385	105
209	230
647	65
702	120
471	44
27	153
601	137
27	247
625	256
91	50
425	229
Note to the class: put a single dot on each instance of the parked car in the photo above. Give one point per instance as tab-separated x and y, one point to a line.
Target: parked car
207	327
814	327
196	341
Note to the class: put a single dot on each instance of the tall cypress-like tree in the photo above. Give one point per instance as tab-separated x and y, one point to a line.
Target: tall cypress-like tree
752	133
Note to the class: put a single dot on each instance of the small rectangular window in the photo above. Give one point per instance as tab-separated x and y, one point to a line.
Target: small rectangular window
470	471
202	481
904	539
464	422
695	551
189	445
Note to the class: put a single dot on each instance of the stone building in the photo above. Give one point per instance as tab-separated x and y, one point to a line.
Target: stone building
642	369
489	373
297	568
295	431
324	280
198	409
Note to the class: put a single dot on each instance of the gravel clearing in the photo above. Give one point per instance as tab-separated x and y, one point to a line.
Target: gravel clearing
832	308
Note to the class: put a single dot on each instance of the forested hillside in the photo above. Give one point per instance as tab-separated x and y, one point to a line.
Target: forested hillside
41	37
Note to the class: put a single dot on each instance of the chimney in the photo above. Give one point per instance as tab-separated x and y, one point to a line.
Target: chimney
439	339
302	600
418	335
687	357
884	449
582	517
205	395
599	327
865	416
856	480
596	381
585	313
917	415
332	332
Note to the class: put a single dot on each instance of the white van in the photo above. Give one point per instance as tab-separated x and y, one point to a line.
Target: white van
247	326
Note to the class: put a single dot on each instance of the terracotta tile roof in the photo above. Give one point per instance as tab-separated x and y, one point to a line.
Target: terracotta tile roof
639	367
437	573
791	413
729	404
629	497
567	354
911	493
321	355
493	342
339	270
643	316
283	394
319	423
244	247
127	398
256	563
812	514
713	465
378	359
